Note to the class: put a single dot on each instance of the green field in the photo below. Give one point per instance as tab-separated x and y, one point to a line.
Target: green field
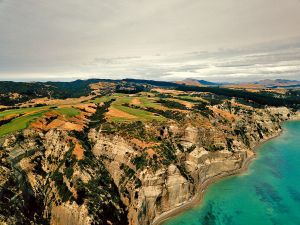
20	123
30	115
140	114
191	98
68	112
20	111
149	102
102	99
23	121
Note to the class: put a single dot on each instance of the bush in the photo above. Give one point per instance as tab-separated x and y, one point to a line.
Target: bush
172	104
69	172
241	131
191	148
127	170
213	148
62	188
140	161
229	142
167	150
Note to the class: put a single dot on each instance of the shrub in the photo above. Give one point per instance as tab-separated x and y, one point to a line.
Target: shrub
140	161
69	172
213	148
172	104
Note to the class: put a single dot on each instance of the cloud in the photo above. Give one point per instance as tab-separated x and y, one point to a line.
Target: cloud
170	39
223	65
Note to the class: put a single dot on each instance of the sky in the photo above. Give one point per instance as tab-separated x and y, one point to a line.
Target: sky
228	40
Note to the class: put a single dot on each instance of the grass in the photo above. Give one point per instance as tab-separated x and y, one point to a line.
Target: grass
134	112
191	98
141	115
19	111
147	102
21	122
102	99
121	99
31	114
68	112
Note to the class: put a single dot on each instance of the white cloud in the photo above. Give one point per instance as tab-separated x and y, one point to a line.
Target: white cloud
168	39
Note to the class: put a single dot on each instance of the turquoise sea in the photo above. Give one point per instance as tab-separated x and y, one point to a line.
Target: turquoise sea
267	194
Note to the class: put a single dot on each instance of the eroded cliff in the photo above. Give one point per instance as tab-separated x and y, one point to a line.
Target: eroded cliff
126	173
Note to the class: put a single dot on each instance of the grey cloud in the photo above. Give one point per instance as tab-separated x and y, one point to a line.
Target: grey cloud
170	39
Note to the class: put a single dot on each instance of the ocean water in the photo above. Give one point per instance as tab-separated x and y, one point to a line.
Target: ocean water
267	194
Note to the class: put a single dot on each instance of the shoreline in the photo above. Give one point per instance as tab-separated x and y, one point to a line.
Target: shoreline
201	189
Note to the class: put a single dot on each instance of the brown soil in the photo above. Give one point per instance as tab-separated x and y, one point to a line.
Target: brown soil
136	101
143	144
72	123
165	91
72	126
78	151
223	113
118	113
150	152
185	103
87	107
55	124
38	124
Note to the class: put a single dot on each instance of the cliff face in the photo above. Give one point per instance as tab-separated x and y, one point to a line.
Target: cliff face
175	184
103	177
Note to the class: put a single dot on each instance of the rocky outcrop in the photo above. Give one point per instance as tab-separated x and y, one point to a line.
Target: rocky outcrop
167	188
70	214
120	181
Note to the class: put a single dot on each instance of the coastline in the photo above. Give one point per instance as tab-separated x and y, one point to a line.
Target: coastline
201	189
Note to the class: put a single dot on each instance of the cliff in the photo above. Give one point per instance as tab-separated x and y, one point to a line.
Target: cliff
126	174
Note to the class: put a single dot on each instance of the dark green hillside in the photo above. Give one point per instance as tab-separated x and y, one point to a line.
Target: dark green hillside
292	99
28	91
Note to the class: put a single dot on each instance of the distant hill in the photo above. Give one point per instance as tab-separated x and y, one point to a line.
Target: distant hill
195	82
209	83
12	93
278	83
267	83
189	82
16	92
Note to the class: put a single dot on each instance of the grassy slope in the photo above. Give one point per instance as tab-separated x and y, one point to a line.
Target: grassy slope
21	122
19	111
141	115
147	102
102	99
31	114
68	112
191	98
